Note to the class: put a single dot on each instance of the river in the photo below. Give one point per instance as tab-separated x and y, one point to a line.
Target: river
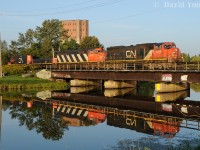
99	120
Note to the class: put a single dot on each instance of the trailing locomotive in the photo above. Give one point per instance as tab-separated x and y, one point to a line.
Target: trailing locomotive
165	51
92	55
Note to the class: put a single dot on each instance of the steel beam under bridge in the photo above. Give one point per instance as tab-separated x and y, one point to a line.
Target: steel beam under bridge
153	76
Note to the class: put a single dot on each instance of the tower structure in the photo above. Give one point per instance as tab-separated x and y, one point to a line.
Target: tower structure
77	29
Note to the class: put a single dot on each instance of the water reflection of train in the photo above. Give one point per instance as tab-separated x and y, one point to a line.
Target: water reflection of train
161	126
77	116
141	122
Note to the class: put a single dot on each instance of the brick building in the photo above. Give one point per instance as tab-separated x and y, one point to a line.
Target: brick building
77	29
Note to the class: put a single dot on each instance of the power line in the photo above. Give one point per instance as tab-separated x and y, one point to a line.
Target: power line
68	11
131	16
53	8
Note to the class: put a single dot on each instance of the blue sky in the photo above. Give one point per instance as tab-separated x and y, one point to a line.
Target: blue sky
114	22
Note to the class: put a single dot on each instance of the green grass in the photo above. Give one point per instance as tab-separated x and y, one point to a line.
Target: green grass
18	82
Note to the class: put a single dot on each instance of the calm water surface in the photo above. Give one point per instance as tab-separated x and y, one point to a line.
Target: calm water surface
30	124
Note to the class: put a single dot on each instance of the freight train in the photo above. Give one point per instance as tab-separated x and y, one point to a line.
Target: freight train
165	51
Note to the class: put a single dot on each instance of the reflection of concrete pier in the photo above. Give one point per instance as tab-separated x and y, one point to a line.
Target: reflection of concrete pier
83	89
119	92
171	87
172	96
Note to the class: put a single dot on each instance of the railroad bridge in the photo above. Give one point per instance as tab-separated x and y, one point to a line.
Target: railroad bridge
181	72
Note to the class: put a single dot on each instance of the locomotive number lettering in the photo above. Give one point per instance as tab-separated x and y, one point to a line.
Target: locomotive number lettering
130	54
130	122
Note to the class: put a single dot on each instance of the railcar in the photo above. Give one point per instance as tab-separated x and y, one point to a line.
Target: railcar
28	59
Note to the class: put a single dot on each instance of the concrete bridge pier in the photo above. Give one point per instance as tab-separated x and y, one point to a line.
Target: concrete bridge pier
171	87
81	83
111	84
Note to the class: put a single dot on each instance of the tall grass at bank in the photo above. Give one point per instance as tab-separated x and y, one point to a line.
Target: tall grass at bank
15	69
18	82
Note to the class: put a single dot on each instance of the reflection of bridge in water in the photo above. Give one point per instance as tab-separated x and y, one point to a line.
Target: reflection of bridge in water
136	113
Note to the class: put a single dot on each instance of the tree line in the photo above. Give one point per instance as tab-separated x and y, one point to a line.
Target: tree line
188	58
41	41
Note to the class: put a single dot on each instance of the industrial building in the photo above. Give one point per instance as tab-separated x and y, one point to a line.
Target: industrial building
77	29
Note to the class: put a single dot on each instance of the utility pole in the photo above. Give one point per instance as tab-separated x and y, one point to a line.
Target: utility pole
0	115
0	59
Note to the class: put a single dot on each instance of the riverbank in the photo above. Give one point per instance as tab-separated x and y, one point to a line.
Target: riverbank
20	83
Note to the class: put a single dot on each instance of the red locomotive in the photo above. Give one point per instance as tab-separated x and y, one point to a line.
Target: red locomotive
149	51
166	51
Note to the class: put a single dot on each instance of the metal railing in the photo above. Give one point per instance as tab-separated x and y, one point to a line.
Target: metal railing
125	66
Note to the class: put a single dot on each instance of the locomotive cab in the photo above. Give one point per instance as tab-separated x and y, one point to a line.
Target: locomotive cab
166	51
97	55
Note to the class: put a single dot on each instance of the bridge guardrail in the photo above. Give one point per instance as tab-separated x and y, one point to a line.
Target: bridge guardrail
125	66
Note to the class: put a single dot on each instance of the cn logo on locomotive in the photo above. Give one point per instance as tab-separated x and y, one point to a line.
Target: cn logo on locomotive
130	54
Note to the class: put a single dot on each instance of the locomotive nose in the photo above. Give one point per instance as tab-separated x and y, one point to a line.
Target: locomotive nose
176	53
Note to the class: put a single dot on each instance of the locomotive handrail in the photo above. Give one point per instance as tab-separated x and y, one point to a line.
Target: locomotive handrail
126	66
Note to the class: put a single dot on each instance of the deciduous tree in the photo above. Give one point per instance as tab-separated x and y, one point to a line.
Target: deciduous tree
70	45
90	42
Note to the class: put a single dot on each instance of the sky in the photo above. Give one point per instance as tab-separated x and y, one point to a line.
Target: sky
113	22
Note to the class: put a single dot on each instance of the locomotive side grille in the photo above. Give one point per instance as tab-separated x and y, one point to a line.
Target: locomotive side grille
72	111
74	58
59	60
80	58
85	57
63	58
68	58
